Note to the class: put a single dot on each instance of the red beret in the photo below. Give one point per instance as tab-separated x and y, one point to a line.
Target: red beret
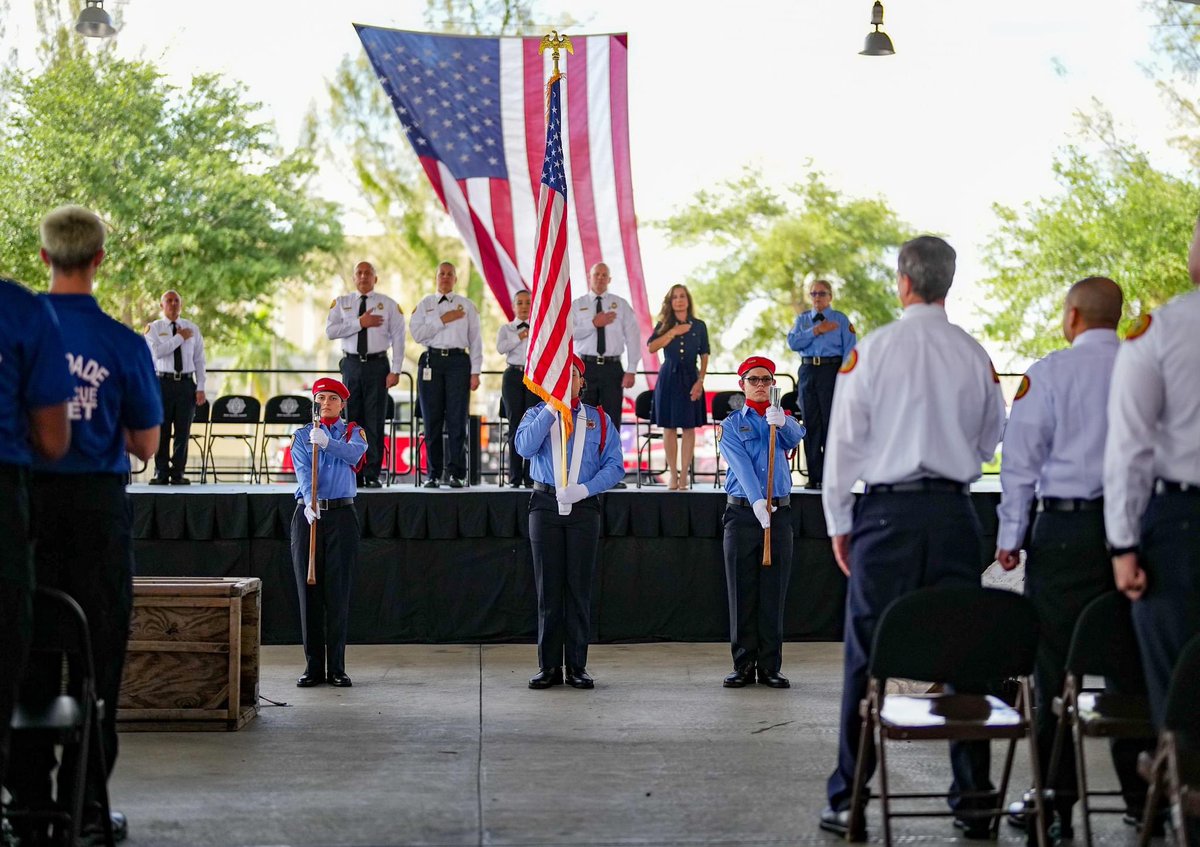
327	383
756	362
577	363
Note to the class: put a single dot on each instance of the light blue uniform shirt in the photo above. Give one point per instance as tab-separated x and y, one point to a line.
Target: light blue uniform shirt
803	341
1054	439
598	471
335	465
745	444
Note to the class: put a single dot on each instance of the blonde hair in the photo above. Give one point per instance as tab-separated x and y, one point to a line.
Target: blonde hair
71	237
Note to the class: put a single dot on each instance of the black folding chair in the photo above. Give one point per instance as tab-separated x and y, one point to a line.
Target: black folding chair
643	411
1103	644
70	717
238	411
288	411
723	402
1175	767
503	423
198	437
967	637
790	402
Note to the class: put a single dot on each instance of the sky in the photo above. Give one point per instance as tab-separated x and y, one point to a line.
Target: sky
969	112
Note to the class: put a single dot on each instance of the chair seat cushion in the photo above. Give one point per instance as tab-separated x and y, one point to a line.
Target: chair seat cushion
1103	714
61	713
949	716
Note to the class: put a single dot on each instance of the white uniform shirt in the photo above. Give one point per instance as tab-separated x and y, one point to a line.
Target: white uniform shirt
428	329
621	337
1153	415
1055	432
510	343
163	345
342	323
917	398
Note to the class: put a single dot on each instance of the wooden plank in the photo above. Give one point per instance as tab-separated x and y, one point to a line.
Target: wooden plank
177	647
251	641
172	714
162	622
234	671
175	680
182	602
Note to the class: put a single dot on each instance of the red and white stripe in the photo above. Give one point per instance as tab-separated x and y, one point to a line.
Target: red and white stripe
548	360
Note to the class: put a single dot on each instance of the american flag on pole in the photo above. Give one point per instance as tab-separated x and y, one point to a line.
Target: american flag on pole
548	361
474	110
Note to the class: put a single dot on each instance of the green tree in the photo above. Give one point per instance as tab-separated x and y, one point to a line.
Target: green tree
195	191
774	244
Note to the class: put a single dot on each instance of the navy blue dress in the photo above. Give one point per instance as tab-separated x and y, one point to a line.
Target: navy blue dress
679	372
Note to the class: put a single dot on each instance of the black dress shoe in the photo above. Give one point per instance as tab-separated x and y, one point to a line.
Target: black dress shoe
455	482
308	680
180	480
340	680
740	678
975	829
371	483
812	486
158	480
547	677
430	483
774	679
515	484
578	678
836	822
528	483
620	485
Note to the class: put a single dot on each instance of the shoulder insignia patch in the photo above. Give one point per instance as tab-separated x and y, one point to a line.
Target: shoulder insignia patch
333	302
849	363
853	331
995	376
399	308
1022	389
720	433
1138	328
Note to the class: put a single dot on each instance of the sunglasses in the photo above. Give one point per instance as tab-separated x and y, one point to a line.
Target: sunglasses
759	380
818	294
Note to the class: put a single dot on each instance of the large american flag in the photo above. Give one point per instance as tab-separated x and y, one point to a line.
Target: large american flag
474	110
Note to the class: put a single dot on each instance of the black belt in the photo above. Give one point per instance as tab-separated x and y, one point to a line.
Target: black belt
920	486
175	376
602	360
820	360
1070	504
1166	486
520	368
742	501
338	503
447	351
367	357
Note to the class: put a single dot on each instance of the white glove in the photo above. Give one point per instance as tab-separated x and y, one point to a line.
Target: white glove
761	512
311	514
775	416
318	437
572	493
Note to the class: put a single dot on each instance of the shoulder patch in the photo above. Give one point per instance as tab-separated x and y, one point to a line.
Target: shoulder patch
995	375
853	331
849	363
1022	389
399	308
332	302
1138	328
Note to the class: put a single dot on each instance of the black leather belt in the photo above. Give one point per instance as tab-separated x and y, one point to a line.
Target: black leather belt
174	376
820	360
921	486
367	357
742	501
447	351
338	503
520	368
602	360
1166	486
1069	504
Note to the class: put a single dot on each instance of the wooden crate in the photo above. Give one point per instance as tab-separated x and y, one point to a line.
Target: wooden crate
193	654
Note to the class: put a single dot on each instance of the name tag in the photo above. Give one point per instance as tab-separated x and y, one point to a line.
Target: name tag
427	374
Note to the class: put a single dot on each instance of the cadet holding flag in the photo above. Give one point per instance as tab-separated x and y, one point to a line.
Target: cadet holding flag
325	607
757	589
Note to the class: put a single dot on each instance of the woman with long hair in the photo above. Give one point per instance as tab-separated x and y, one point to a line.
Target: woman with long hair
679	394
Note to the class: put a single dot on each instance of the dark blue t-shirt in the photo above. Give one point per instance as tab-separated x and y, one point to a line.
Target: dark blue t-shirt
115	387
33	367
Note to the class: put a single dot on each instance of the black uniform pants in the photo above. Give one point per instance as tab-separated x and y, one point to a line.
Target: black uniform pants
1068	567
179	408
564	564
756	593
1168	615
604	387
444	405
517	400
325	607
816	405
367	383
83	547
16	587
899	543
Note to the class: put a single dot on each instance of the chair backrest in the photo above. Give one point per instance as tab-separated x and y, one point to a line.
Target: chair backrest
1105	644
643	406
235	409
962	635
502	410
60	627
790	403
724	402
1182	714
201	415
292	409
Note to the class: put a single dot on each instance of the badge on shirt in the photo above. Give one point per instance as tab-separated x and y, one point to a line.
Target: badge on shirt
1022	389
1138	328
612	307
379	306
745	429
591	424
460	307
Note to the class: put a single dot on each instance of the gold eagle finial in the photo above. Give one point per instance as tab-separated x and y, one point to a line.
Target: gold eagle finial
555	42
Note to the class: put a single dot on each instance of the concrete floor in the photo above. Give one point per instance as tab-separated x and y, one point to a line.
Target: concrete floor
445	745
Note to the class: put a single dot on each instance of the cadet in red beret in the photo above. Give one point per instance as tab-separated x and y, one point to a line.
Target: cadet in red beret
757	592
325	607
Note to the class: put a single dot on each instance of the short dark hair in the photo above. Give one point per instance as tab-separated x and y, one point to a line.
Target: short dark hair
928	261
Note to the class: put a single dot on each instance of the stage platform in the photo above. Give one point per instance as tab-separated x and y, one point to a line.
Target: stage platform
453	566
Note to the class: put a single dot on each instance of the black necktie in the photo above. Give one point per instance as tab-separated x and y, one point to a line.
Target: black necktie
818	317
522	325
178	354
362	333
600	340
443	300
